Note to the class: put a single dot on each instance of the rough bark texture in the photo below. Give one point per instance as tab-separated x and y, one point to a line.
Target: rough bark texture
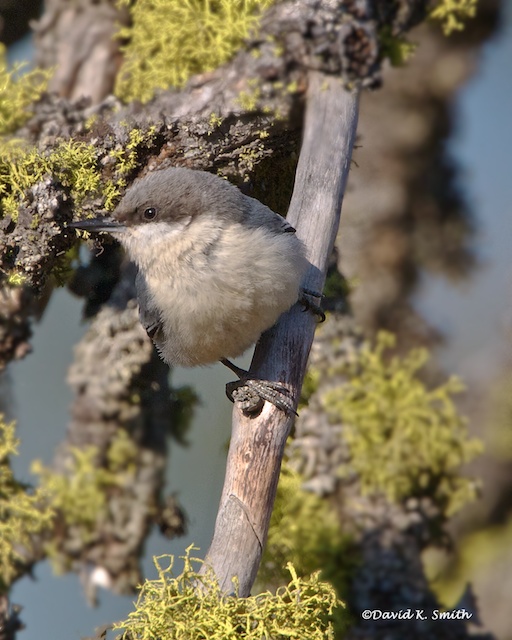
132	395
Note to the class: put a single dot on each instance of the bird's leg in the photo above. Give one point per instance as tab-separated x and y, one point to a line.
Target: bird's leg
305	300
250	393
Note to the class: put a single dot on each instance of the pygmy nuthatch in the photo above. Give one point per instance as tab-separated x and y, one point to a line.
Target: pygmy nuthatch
216	268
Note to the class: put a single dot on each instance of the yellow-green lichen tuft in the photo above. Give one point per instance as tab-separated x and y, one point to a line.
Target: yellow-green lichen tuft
171	40
248	100
17	92
80	495
75	164
23	511
453	14
404	439
396	49
214	120
193	606
126	158
16	279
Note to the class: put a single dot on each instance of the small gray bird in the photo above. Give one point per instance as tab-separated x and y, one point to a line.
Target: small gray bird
216	268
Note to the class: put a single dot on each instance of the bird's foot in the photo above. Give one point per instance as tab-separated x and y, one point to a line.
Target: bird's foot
308	304
250	393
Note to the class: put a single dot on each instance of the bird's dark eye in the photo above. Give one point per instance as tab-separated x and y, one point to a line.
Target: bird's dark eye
149	213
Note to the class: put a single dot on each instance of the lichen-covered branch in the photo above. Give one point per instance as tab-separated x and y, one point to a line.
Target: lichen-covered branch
107	486
231	120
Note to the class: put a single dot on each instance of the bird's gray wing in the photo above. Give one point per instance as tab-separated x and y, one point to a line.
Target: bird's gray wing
148	314
259	215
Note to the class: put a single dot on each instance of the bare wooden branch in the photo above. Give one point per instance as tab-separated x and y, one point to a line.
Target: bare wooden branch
257	443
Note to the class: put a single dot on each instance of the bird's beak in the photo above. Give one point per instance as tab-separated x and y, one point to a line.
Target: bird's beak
102	223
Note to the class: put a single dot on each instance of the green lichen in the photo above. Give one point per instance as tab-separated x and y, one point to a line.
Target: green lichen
214	121
23	511
249	100
453	14
122	455
404	439
292	87
75	164
199	35
80	494
16	279
396	49
17	92
250	155
127	158
177	609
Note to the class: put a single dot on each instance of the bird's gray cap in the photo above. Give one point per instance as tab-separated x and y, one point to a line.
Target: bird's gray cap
178	193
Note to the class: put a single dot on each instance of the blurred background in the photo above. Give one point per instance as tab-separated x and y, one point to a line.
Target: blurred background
433	267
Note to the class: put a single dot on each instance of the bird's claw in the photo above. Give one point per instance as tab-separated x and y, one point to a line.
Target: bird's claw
250	393
305	300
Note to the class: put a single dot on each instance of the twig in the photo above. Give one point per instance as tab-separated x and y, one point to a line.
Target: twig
257	443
